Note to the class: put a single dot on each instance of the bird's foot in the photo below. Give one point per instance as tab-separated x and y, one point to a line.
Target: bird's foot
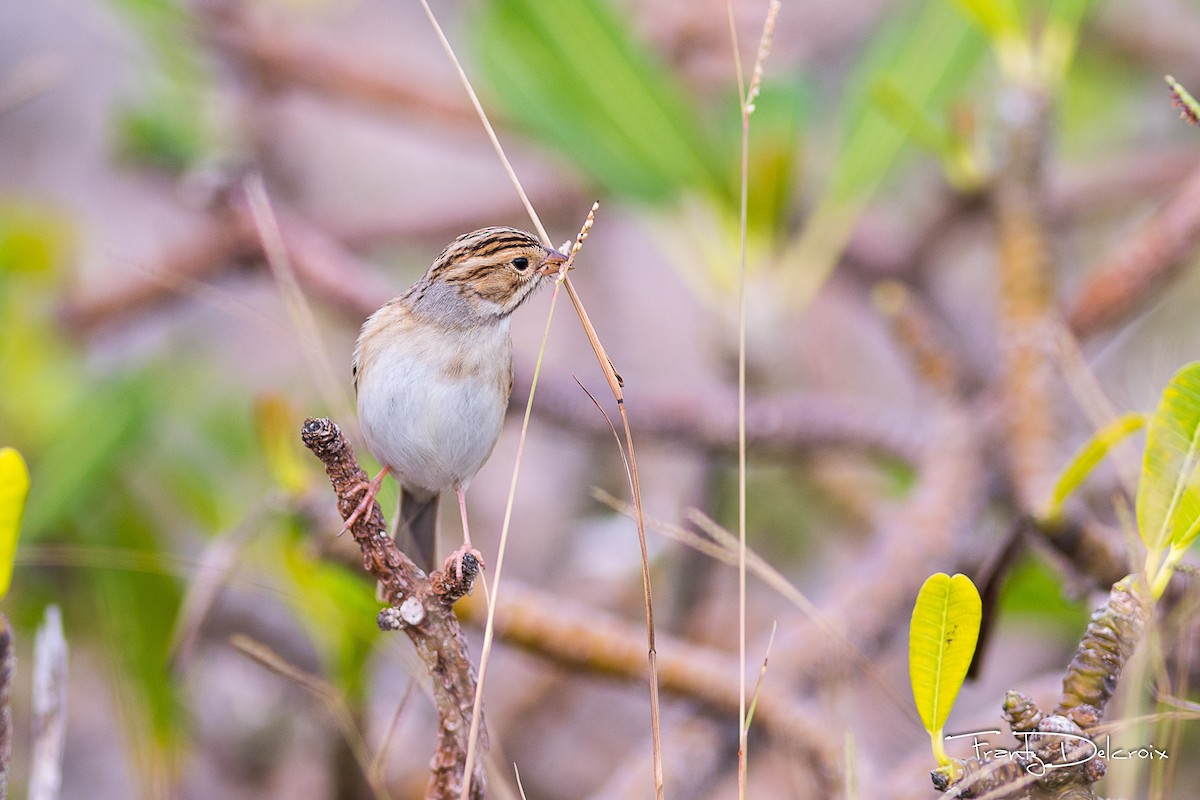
466	560
370	490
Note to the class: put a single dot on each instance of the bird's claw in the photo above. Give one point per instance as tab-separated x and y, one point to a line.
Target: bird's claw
369	490
466	560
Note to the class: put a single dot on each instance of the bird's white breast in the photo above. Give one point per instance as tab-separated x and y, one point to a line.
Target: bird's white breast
432	400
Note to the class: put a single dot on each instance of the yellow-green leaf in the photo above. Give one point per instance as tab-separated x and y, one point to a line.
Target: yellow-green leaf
277	422
1168	498
14	487
941	643
1087	457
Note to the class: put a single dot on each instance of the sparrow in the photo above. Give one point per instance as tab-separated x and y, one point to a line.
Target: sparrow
433	373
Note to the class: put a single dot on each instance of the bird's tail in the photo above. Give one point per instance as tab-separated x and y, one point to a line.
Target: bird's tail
417	533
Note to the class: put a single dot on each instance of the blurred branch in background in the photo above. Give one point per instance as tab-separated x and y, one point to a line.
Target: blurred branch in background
872	159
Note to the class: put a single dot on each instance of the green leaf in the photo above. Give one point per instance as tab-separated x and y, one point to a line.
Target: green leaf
131	614
338	609
1087	457
569	72
81	462
1060	38
33	239
930	52
14	488
276	423
941	643
997	18
1168	497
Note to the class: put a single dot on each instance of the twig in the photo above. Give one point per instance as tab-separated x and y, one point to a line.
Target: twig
49	707
593	641
267	225
782	424
329	696
420	606
1027	311
1152	256
322	265
279	56
8	664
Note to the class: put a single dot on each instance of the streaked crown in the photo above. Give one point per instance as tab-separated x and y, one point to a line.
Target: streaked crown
496	267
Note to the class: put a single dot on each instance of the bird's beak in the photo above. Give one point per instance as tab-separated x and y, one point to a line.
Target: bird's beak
551	262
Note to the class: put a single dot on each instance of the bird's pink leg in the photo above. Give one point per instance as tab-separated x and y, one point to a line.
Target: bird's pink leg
370	490
466	546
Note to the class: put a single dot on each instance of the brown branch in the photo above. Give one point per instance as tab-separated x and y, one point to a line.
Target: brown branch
216	245
419	605
324	267
778	424
591	641
1028	313
280	57
920	535
1125	282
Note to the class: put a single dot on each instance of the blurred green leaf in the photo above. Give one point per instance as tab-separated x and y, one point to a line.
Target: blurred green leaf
162	133
134	615
1168	497
82	460
276	422
929	53
169	128
1087	457
14	488
337	608
1034	590
1060	38
33	239
570	72
997	18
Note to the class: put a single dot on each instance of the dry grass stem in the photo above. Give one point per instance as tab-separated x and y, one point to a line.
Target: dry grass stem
487	124
217	564
297	305
746	96
615	383
762	676
322	690
724	547
760	60
489	625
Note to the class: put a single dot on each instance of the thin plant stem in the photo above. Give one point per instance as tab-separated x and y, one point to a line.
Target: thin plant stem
741	371
328	695
487	124
490	625
746	97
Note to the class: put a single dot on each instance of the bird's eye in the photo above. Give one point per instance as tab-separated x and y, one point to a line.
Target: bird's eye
521	263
